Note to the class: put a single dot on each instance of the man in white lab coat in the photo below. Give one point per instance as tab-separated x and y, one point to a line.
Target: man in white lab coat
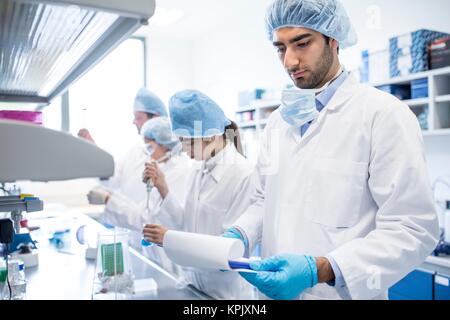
344	209
127	178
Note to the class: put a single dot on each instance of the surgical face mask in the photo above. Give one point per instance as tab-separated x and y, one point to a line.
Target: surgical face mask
298	106
149	149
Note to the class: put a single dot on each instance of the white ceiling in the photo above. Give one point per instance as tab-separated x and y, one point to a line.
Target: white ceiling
203	15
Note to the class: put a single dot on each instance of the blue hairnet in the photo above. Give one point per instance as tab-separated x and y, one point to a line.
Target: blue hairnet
325	16
146	101
159	130
195	115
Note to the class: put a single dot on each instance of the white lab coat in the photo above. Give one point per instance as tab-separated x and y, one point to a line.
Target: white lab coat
217	197
127	178
354	187
122	211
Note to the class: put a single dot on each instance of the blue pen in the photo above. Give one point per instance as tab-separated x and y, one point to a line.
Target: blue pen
239	265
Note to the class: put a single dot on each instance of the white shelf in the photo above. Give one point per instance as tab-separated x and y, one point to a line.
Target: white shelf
264	104
436	133
438	81
445	98
414	76
245	109
417	102
440	261
247	124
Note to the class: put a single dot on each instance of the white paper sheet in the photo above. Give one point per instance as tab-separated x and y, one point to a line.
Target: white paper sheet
202	251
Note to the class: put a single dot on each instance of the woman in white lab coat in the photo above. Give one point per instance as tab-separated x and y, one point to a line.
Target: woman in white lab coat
219	190
164	148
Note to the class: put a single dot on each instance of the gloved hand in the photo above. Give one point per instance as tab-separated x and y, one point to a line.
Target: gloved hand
98	195
234	233
283	277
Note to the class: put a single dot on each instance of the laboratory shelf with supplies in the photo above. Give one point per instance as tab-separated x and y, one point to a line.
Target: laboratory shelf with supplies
428	95
252	120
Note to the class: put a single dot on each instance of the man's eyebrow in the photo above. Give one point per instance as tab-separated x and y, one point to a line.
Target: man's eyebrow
293	40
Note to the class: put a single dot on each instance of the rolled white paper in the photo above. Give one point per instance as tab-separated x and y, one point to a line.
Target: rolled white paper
202	251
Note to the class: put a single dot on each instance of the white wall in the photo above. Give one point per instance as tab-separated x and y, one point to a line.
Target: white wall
237	56
376	21
170	65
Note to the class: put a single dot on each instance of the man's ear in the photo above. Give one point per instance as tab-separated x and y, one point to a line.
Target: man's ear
334	45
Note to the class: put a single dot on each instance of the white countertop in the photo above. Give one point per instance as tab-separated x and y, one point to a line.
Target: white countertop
439	261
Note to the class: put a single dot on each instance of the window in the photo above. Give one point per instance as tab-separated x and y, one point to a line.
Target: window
102	100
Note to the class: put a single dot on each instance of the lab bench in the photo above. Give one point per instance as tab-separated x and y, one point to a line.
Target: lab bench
63	275
68	275
431	281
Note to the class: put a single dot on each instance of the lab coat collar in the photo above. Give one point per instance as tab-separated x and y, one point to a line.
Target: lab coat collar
217	165
343	94
339	99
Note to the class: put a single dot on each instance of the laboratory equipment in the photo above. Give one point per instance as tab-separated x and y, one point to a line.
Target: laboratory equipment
65	40
149	187
61	239
16	290
22	244
34	153
114	278
87	236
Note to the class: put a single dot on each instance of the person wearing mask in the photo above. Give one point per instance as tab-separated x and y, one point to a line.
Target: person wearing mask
344	204
127	178
219	190
164	149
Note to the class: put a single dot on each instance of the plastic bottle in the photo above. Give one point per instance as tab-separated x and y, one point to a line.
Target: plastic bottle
16	276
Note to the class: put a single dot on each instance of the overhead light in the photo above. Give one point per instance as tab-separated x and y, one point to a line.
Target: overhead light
164	17
46	45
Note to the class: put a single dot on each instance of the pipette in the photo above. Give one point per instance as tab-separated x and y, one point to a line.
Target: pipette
150	186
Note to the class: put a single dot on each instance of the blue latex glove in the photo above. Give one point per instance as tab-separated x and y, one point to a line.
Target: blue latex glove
283	277
234	233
